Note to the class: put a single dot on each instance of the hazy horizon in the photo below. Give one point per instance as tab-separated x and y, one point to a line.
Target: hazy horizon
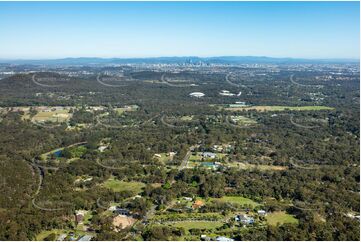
55	30
185	56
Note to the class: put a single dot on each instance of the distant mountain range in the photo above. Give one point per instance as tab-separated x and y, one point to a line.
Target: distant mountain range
179	60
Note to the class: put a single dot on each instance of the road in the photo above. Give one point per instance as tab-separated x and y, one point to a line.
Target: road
106	84
186	158
163	81
303	85
231	83
40	84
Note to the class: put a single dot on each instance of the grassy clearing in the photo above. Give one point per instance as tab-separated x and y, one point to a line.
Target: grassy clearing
165	157
280	108
87	217
77	234
246	166
119	186
187	118
238	200
242	120
181	217
198	224
280	218
126	109
43	234
120	110
77	151
52	116
195	157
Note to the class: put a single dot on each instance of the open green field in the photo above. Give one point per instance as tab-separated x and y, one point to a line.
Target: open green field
86	220
242	120
77	151
87	217
195	157
247	166
238	200
126	109
43	234
118	186
52	116
178	217
280	218
120	110
187	118
197	224
164	158
280	108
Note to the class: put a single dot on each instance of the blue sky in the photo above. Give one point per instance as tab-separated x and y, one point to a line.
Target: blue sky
145	29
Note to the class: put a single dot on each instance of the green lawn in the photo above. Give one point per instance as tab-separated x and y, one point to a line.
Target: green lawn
197	224
164	158
77	151
280	218
87	217
281	108
118	186
43	234
185	217
120	110
239	200
195	158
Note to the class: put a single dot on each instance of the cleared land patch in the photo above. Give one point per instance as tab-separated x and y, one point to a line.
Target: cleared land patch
242	120
187	118
118	186
238	200
246	166
43	114
280	218
130	108
164	157
57	116
197	224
